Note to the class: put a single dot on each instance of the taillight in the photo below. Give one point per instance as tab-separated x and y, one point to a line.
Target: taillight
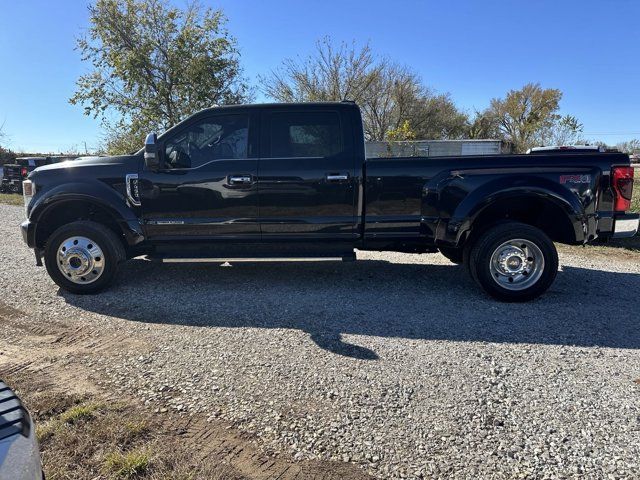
622	184
24	171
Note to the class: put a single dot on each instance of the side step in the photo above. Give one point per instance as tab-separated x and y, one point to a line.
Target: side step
349	257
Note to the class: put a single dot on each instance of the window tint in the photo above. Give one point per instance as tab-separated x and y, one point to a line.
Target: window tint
310	134
212	138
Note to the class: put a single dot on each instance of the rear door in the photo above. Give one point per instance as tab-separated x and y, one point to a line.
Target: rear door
306	174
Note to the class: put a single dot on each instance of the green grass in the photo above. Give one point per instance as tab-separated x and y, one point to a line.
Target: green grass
79	412
11	199
70	416
127	465
136	428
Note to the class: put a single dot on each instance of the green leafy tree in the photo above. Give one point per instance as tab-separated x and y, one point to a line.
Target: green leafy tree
523	115
153	65
483	125
439	118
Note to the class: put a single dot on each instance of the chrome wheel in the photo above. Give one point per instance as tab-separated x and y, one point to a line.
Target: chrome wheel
81	260
517	264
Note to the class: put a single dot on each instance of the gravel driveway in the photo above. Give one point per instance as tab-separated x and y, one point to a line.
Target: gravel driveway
397	362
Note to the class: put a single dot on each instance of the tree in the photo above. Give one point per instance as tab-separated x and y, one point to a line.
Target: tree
6	155
329	74
565	130
153	65
524	114
397	95
402	134
392	96
441	119
484	125
630	147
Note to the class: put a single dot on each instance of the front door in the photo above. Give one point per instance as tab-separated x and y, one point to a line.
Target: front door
306	175
207	185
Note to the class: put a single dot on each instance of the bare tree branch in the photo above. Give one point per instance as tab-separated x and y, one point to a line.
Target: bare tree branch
391	96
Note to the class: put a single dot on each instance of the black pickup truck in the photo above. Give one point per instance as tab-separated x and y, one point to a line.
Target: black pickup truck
291	181
13	174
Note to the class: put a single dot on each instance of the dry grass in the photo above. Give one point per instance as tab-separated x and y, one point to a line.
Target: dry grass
11	199
88	438
635	202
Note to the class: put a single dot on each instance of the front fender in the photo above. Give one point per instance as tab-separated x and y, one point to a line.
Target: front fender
93	192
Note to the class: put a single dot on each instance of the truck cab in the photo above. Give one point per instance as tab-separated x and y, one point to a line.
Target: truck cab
254	174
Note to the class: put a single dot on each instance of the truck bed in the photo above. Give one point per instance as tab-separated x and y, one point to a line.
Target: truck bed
417	196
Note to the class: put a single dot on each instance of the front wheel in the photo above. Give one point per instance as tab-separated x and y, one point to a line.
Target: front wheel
514	262
83	257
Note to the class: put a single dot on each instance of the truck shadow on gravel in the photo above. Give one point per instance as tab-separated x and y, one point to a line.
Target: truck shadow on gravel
374	298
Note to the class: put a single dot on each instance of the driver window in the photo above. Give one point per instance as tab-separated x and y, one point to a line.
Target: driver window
212	138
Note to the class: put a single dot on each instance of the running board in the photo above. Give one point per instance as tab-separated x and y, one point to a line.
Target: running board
344	258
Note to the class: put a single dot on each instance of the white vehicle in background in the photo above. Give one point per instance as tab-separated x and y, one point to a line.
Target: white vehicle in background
19	452
568	149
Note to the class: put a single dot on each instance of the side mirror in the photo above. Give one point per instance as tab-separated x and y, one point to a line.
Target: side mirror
151	154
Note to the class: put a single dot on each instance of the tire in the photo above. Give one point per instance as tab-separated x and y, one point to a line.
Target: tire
513	262
83	257
455	255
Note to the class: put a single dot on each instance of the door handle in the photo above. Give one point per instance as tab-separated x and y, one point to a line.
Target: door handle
239	179
337	177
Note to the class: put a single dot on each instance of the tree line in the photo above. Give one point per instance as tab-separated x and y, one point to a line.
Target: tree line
397	105
153	64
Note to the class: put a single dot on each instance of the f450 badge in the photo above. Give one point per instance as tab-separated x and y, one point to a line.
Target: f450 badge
575	179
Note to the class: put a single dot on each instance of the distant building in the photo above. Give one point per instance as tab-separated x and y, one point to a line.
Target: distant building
437	148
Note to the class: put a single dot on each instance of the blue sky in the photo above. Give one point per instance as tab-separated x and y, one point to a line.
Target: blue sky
475	50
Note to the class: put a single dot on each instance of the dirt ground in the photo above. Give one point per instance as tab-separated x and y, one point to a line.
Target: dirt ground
53	352
85	431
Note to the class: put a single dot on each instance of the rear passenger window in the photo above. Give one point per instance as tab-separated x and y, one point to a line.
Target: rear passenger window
310	134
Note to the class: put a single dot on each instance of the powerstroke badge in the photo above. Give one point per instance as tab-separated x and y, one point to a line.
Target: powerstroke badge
575	179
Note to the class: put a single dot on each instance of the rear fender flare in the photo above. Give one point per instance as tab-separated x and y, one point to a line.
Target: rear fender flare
505	189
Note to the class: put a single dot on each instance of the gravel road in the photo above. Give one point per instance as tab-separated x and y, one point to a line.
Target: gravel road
397	363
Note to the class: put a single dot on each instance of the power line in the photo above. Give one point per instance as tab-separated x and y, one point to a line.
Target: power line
621	133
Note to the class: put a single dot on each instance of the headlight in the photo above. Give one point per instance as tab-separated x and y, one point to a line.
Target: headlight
28	191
